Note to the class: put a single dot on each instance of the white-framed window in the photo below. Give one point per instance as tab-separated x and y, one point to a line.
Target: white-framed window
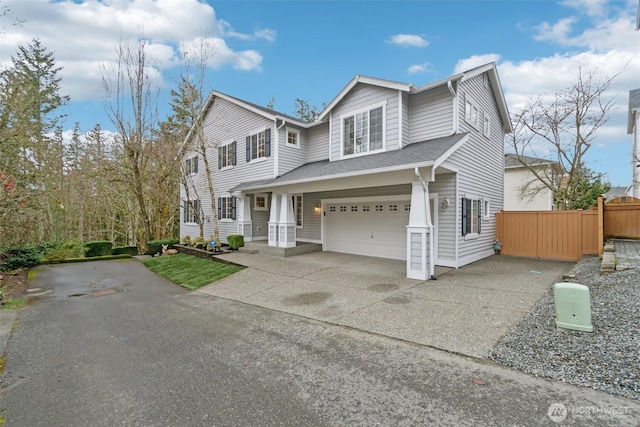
471	114
471	217
293	138
191	211
226	208
258	145
363	131
227	155
486	130
191	165
485	80
298	208
260	202
486	209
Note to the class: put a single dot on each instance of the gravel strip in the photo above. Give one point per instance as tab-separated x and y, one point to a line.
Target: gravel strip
608	359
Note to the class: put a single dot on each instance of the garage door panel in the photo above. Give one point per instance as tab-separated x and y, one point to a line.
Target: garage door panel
373	228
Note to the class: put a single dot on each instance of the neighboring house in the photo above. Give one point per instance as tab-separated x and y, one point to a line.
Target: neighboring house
633	128
388	169
618	192
517	176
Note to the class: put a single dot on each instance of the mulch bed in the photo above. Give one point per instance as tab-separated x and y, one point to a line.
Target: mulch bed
13	284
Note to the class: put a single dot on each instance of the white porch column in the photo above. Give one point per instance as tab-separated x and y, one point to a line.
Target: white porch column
420	262
274	218
244	218
287	223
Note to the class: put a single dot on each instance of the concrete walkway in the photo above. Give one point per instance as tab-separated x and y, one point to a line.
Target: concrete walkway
465	311
620	254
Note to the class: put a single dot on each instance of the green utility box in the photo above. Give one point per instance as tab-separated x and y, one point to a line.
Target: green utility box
573	306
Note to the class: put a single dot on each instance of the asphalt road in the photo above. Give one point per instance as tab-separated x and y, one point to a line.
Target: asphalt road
114	344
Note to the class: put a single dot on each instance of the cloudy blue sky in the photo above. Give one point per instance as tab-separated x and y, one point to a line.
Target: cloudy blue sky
311	49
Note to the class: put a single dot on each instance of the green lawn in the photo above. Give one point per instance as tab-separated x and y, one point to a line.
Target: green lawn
188	271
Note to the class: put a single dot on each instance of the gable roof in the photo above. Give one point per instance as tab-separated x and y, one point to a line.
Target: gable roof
511	161
420	154
489	68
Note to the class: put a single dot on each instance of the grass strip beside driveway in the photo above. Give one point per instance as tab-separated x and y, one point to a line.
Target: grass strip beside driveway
188	271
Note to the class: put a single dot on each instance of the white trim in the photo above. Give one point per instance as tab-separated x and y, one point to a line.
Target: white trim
353	113
266	202
330	135
309	240
288	129
400	120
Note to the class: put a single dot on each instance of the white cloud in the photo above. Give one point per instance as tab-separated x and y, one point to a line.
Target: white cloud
475	61
408	40
82	36
419	68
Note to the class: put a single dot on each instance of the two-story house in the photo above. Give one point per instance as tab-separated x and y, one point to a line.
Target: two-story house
388	170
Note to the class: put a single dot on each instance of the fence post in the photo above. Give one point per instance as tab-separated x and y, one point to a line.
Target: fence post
600	226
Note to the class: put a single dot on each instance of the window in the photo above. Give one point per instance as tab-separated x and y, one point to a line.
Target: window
363	132
260	202
226	208
487	126
297	209
227	155
191	211
486	209
191	165
471	113
259	145
471	216
293	138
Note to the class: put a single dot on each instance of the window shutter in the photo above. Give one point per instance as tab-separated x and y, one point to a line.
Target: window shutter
267	142
219	207
248	149
233	208
195	164
233	155
185	210
219	157
479	215
464	217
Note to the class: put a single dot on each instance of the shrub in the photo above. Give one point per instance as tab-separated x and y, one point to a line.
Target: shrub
63	251
186	240
199	242
235	241
21	257
97	248
130	250
155	246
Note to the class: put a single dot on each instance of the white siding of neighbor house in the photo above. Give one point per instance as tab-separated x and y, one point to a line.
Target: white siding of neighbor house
431	114
480	166
318	143
514	179
361	97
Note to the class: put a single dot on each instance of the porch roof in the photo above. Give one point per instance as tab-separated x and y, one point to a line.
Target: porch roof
420	154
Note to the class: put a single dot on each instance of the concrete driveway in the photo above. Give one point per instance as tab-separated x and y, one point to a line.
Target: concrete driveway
465	311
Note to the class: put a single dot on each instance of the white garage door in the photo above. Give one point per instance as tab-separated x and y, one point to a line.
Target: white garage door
377	228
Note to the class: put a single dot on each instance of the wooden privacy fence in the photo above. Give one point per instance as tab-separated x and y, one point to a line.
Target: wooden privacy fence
567	235
622	218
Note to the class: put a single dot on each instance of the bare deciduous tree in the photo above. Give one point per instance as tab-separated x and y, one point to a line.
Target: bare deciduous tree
563	127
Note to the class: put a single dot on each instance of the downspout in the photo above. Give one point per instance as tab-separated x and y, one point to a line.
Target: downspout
276	151
454	95
425	188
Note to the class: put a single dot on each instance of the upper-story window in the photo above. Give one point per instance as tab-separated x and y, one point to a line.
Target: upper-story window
293	138
259	145
191	165
471	113
487	126
363	131
227	155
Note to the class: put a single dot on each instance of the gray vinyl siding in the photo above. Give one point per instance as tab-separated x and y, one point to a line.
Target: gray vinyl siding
290	157
445	186
318	143
481	169
406	119
431	114
197	190
361	97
